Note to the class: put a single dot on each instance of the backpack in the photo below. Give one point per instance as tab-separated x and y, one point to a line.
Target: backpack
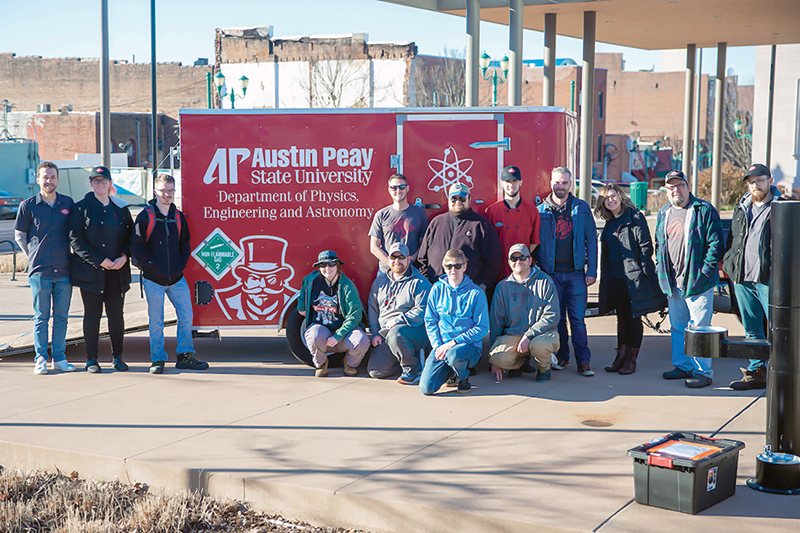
151	221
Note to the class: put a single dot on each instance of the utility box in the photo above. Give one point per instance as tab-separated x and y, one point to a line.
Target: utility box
685	472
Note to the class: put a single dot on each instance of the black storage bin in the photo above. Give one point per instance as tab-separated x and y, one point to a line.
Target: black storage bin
668	474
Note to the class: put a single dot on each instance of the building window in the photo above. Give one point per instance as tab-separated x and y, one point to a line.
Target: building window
600	105
599	148
797	123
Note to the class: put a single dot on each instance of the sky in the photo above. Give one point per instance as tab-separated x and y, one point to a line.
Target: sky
185	30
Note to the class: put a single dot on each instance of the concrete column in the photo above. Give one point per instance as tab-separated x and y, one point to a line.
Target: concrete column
770	106
696	158
473	52
549	81
587	105
105	89
515	16
719	125
688	109
154	111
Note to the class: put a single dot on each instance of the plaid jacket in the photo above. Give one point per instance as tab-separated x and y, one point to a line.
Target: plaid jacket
705	247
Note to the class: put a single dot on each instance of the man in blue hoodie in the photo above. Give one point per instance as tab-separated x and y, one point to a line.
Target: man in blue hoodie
457	320
397	302
524	318
748	262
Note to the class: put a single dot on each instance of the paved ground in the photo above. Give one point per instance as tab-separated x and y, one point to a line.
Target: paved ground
357	452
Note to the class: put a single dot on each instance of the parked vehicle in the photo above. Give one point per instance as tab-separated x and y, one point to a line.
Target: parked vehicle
9	205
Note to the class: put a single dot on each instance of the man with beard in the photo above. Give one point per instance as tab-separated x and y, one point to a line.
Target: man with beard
568	253
748	261
396	319
160	247
462	229
41	230
689	248
399	222
514	219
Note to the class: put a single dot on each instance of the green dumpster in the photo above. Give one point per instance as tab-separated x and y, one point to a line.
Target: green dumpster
639	194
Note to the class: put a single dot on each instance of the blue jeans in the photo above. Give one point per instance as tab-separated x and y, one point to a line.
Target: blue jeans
460	358
57	291
697	309
573	296
753	299
181	299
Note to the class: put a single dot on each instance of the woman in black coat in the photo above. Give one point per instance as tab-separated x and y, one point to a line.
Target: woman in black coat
100	231
628	282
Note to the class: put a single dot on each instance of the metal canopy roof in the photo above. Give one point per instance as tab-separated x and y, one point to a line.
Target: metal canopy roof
650	24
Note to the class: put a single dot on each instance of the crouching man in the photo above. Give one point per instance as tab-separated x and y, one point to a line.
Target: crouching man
524	318
397	319
457	320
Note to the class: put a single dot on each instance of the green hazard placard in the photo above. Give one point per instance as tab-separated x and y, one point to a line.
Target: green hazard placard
217	253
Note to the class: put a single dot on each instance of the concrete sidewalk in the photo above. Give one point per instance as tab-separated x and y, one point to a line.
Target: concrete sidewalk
356	452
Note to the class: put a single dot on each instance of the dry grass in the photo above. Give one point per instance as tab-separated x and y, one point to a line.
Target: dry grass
7	263
43	502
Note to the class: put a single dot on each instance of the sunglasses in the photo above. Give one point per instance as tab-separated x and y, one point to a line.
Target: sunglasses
398	187
757	182
397	257
328	264
455	199
515	258
457	266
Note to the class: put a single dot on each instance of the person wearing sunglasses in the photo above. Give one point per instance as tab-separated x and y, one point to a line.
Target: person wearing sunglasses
398	222
524	318
329	301
748	263
397	302
457	320
689	247
463	229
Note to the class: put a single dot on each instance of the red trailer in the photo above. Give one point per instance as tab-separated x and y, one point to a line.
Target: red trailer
264	191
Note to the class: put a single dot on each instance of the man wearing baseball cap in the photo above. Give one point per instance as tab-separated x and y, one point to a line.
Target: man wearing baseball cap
524	318
514	219
689	248
463	229
748	260
397	302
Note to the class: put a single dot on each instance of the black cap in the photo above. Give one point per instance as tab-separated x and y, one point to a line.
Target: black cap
510	173
757	169
100	172
675	174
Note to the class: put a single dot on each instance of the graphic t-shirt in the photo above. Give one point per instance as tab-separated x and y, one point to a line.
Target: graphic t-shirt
325	304
676	242
407	226
565	254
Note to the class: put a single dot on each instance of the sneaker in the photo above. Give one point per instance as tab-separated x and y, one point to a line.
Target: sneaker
63	366
119	365
676	373
40	365
585	370
543	376
452	381
322	371
698	382
517	373
407	378
186	361
157	367
349	370
464	386
559	365
92	366
751	379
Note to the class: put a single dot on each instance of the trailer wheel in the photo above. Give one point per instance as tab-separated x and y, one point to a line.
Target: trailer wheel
295	326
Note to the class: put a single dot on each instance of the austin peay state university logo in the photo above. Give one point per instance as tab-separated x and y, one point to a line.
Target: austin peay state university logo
262	289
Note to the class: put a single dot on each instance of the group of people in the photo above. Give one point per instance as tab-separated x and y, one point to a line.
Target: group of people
90	244
428	308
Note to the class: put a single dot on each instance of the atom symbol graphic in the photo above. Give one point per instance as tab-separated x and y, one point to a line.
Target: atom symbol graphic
449	170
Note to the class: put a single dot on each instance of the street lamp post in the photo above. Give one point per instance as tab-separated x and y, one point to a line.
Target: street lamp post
495	77
219	81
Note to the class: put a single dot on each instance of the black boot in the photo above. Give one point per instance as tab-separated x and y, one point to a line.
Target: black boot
629	365
622	350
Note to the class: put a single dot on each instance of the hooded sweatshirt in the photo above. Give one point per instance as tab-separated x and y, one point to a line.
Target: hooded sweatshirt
527	308
460	314
395	302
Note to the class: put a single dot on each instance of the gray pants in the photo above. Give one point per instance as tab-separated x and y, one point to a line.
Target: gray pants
400	349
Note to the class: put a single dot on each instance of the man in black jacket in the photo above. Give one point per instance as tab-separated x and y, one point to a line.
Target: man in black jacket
748	262
462	229
161	249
